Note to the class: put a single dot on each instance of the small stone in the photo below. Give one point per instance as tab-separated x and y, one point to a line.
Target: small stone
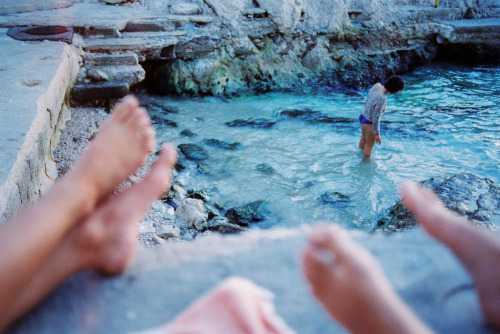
193	212
167	232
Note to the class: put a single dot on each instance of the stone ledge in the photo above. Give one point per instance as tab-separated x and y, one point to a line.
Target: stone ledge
164	281
37	77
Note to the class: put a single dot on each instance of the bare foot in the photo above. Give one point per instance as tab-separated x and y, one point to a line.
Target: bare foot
237	305
111	233
351	286
478	250
118	150
104	241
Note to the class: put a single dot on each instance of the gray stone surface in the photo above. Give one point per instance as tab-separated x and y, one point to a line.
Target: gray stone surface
164	281
36	77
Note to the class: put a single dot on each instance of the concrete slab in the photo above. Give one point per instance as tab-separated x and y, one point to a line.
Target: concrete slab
36	77
98	15
163	282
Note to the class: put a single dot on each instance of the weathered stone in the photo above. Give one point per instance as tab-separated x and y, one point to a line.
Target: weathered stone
193	152
115	59
196	48
165	231
255	13
222	225
99	91
285	13
222	144
185	8
130	74
252	122
193	212
476	198
247	214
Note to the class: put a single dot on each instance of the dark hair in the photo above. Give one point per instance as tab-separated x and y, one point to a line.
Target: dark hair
394	84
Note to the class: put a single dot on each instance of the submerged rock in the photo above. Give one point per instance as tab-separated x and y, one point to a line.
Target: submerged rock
162	120
187	133
252	122
193	152
334	197
247	214
265	168
222	144
476	198
312	116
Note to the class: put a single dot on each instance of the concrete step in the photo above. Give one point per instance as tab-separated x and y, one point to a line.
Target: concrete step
154	34
91	92
113	59
166	23
98	31
147	48
130	74
414	14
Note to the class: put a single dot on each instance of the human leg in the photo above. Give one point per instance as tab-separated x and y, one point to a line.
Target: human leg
369	138
347	280
362	141
29	239
478	250
104	241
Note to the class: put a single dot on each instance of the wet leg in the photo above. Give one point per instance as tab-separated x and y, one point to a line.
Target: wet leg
369	139
105	241
362	142
478	250
346	279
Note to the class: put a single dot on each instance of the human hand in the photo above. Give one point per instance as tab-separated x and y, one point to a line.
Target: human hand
378	139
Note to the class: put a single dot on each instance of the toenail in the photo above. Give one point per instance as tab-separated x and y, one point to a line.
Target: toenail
324	255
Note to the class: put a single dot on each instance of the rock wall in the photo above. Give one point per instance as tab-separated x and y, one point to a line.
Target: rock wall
265	45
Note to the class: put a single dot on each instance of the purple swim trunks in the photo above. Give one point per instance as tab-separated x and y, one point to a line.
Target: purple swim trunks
364	120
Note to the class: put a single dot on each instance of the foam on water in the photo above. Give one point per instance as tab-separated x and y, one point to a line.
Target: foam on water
446	121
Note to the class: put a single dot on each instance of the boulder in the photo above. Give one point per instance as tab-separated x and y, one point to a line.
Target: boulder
476	198
193	212
247	214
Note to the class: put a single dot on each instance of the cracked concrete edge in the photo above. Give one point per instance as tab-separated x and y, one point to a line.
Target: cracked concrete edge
175	252
34	170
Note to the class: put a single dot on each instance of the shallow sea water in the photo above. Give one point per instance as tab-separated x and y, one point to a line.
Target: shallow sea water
446	121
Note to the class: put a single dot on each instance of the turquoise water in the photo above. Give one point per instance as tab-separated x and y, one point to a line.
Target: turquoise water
446	121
